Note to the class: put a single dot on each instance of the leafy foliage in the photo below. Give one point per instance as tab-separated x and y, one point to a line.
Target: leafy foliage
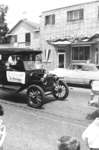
3	24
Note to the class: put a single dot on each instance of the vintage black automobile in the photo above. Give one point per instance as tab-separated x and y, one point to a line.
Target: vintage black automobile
36	81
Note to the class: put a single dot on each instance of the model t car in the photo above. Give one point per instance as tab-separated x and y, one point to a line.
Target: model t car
18	68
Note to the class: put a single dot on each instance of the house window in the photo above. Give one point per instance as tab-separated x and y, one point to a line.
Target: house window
27	37
50	19
75	15
81	53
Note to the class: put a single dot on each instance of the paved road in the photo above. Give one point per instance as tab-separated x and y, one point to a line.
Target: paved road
39	129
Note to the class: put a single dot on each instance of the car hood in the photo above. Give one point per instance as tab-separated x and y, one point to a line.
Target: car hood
63	72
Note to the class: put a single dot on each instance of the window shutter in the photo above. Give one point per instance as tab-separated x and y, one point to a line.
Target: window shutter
53	19
15	38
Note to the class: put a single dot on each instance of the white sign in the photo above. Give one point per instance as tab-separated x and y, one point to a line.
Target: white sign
17	77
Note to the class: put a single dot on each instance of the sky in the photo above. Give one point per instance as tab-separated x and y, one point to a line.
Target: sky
32	9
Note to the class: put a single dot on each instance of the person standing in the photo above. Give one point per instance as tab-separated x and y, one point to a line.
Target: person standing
19	64
91	135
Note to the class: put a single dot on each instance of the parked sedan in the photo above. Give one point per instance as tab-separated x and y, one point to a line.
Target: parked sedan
78	73
97	66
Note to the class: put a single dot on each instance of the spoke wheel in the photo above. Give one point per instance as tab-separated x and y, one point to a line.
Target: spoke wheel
61	90
35	96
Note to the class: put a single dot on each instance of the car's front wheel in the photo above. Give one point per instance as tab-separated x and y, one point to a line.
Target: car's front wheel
35	96
60	90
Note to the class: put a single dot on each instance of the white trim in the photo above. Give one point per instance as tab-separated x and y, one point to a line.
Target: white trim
61	43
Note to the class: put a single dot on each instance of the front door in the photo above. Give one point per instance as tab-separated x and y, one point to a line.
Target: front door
61	60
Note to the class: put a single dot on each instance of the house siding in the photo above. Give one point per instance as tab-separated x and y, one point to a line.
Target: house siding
63	29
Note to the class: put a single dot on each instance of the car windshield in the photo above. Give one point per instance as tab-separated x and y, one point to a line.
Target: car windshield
84	67
31	63
91	67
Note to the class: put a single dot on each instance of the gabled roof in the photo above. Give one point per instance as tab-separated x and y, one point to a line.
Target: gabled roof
33	25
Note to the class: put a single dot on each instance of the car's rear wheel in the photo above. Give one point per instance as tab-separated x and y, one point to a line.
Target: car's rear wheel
35	96
61	90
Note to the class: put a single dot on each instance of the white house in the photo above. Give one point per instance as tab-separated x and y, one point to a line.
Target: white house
25	34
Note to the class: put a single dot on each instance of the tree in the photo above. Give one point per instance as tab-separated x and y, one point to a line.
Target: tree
3	24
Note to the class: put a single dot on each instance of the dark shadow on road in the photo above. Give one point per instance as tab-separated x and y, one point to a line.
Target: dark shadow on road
81	86
10	95
51	99
13	97
21	97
